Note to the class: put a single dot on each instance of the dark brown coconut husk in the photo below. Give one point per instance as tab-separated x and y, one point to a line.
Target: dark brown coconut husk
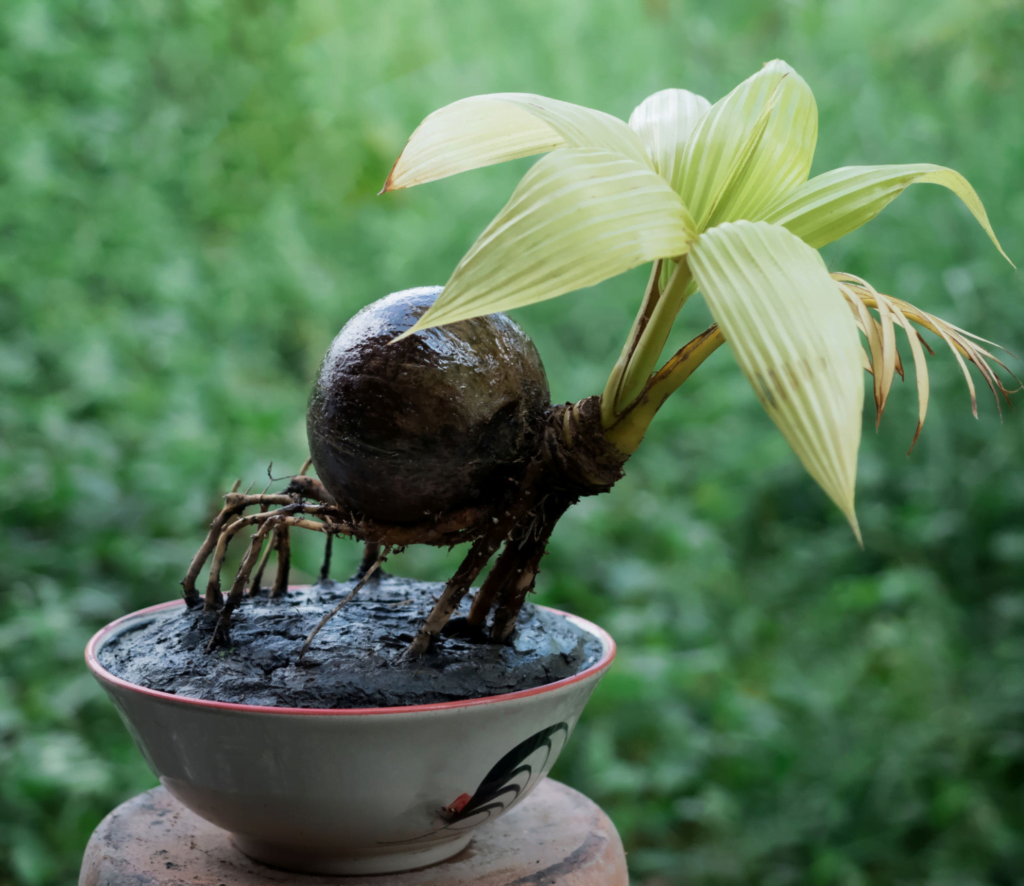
400	432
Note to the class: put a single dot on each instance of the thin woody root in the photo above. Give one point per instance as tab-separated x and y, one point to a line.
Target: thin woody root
347	599
306	499
305	504
284	559
274	521
370	554
257	576
325	567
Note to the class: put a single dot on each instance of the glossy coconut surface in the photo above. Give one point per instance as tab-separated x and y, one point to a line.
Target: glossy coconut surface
403	431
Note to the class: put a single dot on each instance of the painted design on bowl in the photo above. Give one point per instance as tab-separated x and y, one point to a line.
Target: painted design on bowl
512	775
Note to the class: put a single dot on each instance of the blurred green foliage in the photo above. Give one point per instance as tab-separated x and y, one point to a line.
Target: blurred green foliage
188	217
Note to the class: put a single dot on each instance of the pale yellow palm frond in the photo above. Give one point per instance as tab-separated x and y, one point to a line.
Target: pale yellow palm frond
883	358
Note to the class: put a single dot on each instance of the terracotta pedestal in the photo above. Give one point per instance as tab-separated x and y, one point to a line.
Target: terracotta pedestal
556	837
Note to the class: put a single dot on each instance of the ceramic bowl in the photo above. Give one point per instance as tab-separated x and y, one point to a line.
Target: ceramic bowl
350	791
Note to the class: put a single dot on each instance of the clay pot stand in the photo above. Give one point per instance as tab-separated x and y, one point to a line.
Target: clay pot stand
557	836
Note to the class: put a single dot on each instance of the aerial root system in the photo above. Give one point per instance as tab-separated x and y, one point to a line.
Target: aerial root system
572	459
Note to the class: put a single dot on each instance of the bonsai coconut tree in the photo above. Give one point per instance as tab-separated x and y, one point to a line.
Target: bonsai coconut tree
430	422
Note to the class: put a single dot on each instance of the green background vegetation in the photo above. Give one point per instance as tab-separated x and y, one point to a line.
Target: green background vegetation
188	216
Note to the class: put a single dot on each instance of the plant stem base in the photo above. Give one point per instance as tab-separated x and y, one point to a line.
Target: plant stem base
555	836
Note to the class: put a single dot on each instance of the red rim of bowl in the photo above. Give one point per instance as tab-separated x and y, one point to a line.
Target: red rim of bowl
104	676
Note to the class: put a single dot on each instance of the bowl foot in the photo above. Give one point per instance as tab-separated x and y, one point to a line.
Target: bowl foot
305	861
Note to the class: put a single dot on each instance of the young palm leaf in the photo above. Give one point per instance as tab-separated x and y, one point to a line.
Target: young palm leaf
795	341
754	145
579	216
831	205
487	129
663	122
718	195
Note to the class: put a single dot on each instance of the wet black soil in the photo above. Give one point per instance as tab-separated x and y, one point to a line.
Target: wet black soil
356	659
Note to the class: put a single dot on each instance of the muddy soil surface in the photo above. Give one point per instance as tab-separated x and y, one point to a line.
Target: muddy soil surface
356	659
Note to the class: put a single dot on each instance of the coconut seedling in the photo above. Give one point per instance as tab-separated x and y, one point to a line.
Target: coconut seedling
430	422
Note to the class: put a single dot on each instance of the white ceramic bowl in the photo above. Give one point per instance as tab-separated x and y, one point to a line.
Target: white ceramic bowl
350	791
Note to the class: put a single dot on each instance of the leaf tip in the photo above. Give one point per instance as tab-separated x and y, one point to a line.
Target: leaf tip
917	434
411	331
855	526
389	182
987	225
999	246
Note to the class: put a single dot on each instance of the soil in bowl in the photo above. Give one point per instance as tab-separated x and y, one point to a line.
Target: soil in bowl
356	660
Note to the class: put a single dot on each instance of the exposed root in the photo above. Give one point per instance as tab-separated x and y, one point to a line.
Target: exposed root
572	459
275	519
453	593
370	554
220	632
325	567
503	574
381	557
284	562
493	585
214	598
305	504
515	572
310	487
234	504
257	576
522	579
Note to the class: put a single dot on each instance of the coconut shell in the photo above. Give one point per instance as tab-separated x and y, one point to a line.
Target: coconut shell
443	420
